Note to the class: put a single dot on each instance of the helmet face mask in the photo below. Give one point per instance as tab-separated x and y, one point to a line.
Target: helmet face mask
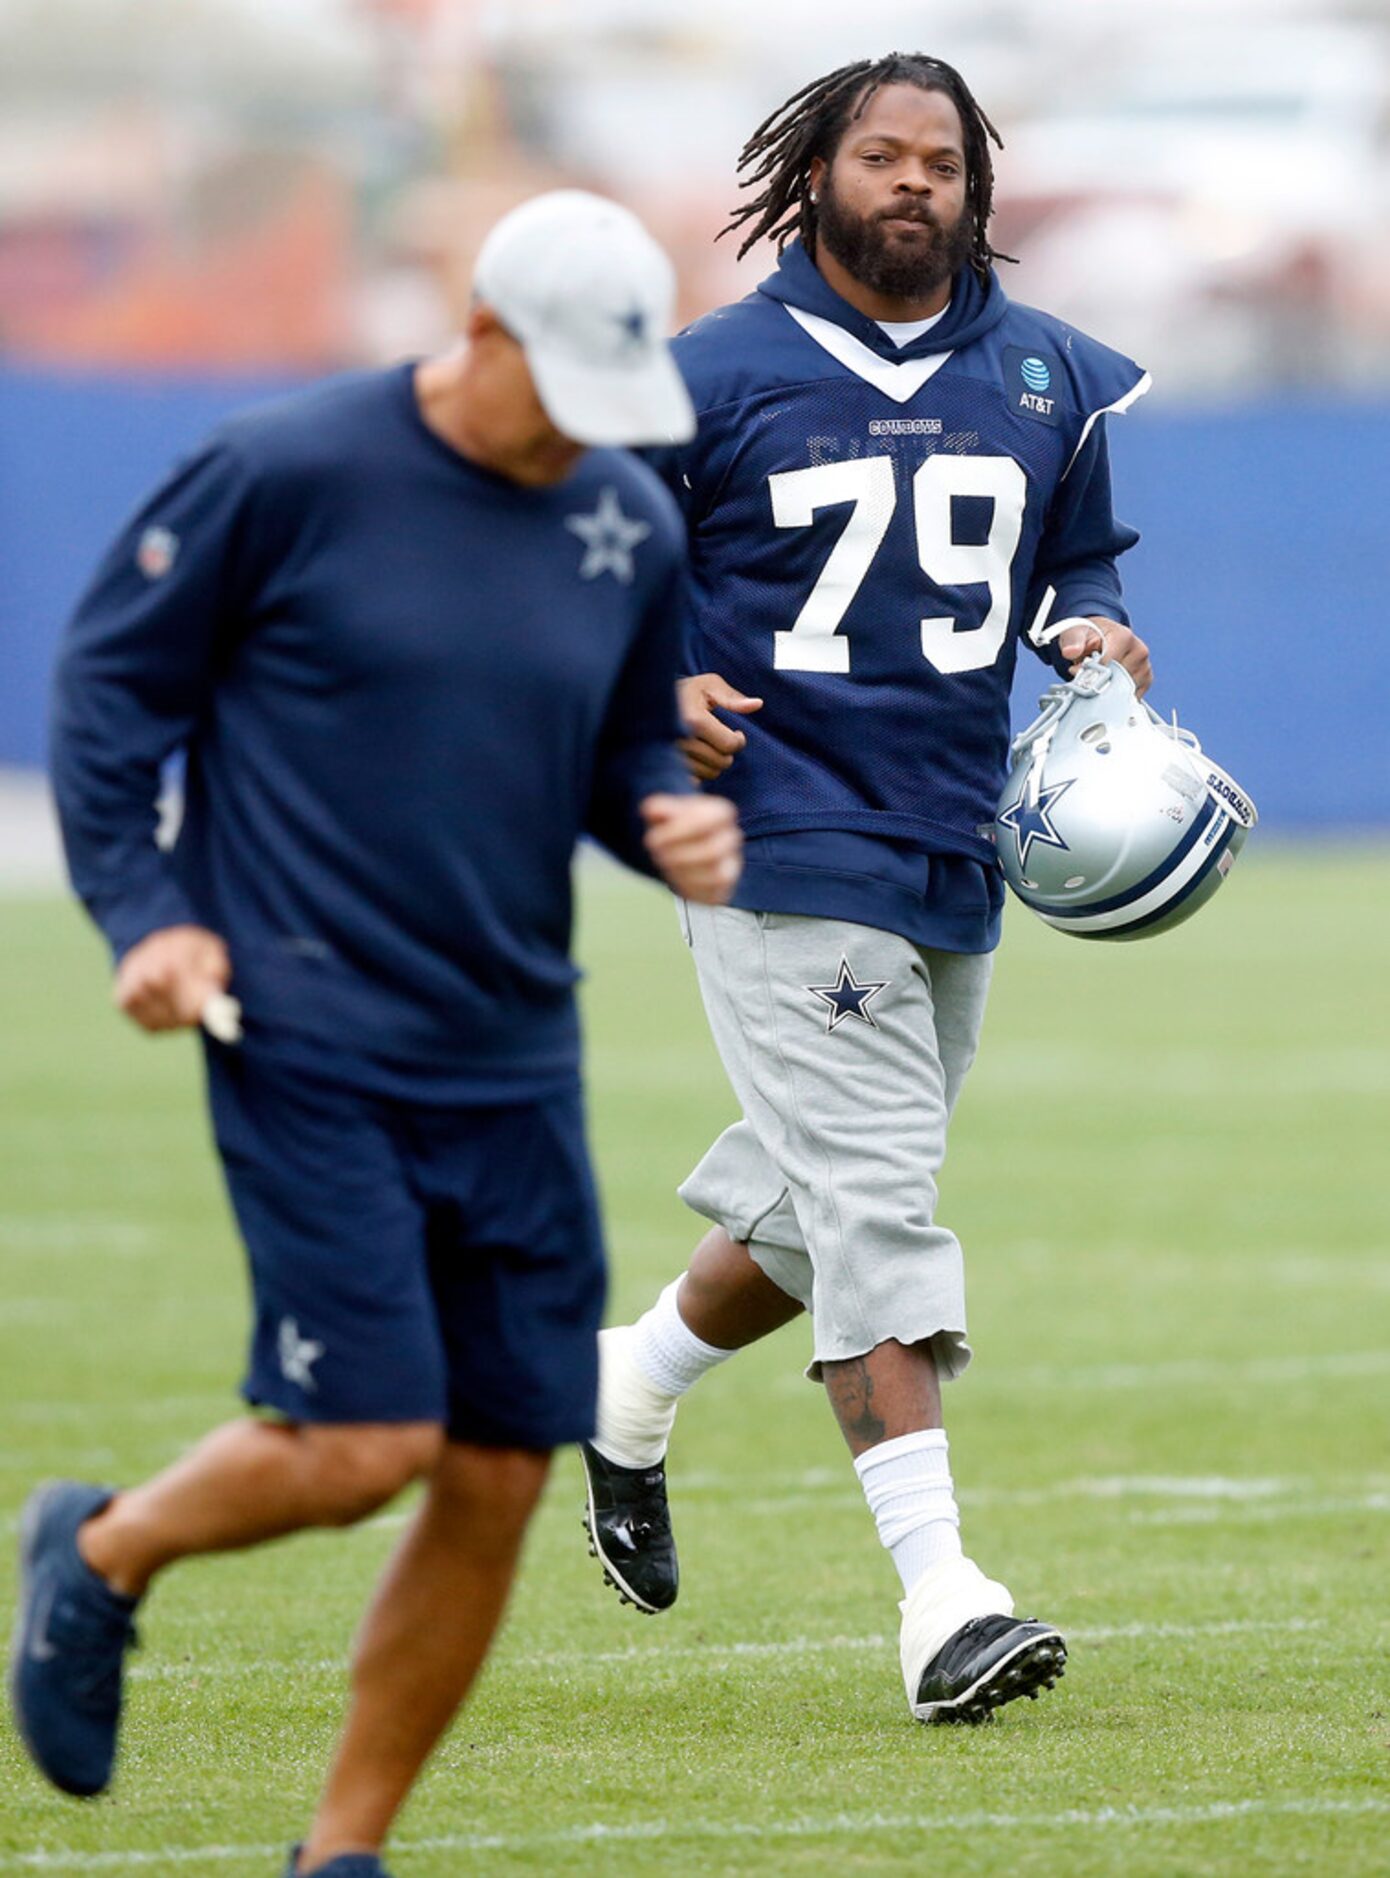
1113	824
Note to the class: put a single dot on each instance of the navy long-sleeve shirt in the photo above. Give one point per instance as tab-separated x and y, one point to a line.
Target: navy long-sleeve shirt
405	687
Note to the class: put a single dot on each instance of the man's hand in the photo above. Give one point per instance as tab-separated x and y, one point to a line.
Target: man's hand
695	844
710	746
1114	643
164	982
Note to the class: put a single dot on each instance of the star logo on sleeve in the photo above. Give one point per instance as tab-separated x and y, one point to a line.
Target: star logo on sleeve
847	998
609	537
1032	821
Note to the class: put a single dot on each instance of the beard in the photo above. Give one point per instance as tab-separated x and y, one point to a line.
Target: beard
885	262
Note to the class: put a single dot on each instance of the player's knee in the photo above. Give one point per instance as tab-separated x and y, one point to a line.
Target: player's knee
359	1469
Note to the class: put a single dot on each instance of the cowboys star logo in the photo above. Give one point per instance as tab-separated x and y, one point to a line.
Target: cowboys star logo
1032	821
609	537
847	998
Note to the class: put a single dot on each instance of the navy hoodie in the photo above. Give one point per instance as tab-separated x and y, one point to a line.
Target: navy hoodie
873	529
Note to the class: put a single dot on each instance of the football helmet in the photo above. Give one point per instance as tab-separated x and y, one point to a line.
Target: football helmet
1113	824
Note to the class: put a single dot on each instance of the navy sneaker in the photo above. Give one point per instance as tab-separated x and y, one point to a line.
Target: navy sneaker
70	1641
346	1865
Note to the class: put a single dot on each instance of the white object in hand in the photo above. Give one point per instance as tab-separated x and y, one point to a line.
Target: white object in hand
221	1017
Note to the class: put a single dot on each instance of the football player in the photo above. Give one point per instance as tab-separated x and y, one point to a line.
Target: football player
897	475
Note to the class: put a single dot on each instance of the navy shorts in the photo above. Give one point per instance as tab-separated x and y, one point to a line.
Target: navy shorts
412	1262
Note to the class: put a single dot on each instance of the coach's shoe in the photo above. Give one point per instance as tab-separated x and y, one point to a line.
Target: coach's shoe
629	1525
964	1653
346	1865
70	1641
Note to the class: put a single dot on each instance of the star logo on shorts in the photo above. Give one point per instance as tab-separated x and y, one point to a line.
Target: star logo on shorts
298	1355
609	537
847	998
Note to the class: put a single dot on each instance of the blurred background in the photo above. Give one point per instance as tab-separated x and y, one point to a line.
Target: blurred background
201	200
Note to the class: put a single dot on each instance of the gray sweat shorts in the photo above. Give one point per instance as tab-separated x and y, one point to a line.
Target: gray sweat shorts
846	1047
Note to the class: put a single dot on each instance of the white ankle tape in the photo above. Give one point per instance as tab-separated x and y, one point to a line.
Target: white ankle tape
634	1416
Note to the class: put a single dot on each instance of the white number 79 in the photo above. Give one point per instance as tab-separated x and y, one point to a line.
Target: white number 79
868	485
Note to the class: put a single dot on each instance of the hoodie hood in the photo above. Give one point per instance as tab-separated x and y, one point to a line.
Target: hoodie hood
976	307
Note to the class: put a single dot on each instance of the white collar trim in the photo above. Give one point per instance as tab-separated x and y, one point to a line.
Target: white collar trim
896	379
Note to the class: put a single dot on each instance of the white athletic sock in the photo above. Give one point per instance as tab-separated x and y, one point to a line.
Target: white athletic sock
907	1482
666	1349
644	1370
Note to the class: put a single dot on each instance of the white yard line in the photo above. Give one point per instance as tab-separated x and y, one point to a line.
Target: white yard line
1293	1509
830	1826
719	1653
46	1234
1201	1498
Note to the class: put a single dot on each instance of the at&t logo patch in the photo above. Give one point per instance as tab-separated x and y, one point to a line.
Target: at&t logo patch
1030	381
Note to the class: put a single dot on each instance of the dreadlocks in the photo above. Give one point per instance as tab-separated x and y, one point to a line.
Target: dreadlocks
811	123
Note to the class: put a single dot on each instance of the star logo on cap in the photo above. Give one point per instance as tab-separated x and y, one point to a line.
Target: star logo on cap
609	537
847	998
1032	821
634	326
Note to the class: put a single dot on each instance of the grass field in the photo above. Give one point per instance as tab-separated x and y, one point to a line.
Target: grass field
1170	1174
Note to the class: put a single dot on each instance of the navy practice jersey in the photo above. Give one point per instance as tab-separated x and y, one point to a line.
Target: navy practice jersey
405	685
872	529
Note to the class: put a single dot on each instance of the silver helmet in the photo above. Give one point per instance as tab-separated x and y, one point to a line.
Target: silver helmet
1113	824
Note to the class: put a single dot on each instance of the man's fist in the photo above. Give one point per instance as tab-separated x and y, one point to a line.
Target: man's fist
164	982
1113	642
710	746
696	845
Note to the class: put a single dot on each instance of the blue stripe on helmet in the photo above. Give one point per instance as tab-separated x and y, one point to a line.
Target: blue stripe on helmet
1150	881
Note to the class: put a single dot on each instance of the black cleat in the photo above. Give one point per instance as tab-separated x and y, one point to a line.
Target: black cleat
988	1662
629	1526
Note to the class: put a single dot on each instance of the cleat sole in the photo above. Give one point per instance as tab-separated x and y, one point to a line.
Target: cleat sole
1036	1665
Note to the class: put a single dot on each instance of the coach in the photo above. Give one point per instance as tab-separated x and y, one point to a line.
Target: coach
417	631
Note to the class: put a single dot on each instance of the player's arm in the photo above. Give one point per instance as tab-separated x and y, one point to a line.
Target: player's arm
1076	565
134	674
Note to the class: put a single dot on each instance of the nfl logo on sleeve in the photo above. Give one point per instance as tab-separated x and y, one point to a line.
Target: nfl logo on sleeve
1032	381
156	553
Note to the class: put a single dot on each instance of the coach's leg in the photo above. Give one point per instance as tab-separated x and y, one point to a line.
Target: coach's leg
250	1481
424	1638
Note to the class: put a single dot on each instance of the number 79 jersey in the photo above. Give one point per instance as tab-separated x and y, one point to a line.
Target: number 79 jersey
871	532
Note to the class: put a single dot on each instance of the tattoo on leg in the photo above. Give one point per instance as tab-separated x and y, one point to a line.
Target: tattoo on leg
850	1388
